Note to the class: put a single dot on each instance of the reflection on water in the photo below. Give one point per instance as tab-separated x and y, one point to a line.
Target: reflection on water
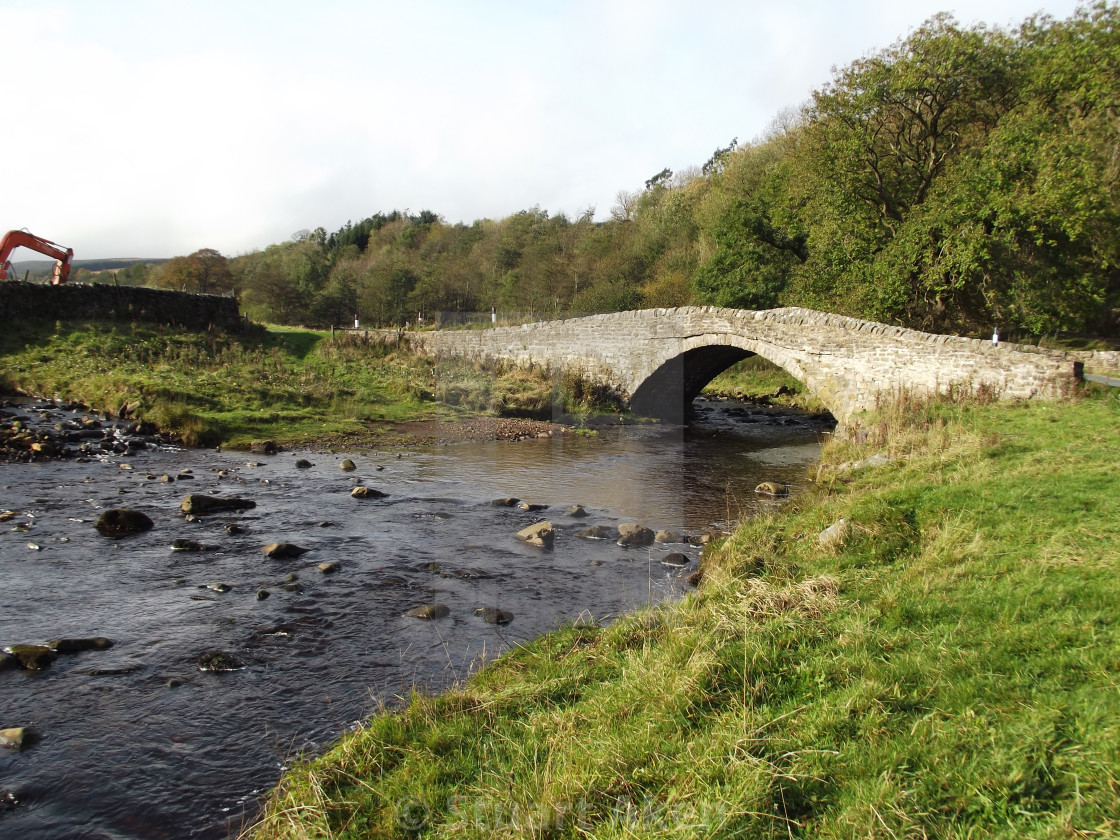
135	741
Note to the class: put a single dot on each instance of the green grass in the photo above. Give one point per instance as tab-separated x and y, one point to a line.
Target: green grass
285	384
952	670
755	378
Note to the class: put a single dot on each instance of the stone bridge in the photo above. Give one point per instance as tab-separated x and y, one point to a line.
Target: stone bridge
659	359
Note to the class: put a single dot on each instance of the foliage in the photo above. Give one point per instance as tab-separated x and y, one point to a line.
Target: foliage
960	179
947	671
205	271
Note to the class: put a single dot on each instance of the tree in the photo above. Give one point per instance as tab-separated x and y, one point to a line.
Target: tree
205	271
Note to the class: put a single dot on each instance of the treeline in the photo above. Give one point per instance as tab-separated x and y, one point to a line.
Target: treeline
963	178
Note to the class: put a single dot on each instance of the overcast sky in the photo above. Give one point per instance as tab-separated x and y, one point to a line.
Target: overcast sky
155	128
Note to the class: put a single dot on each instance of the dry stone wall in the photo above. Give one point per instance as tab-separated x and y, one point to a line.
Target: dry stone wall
37	302
846	362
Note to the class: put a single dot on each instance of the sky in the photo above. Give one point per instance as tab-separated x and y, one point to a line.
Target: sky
153	128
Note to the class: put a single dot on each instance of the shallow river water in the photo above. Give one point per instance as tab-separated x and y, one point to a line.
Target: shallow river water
137	742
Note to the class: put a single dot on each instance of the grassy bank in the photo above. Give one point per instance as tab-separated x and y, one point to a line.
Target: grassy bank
283	384
950	669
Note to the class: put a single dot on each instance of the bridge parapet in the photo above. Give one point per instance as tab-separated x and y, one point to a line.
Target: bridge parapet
661	358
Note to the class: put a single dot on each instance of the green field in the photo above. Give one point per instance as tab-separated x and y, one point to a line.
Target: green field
950	670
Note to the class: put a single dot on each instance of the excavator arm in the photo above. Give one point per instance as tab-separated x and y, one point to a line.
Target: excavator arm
16	238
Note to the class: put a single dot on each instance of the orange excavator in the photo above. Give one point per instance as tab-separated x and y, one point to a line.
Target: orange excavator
15	238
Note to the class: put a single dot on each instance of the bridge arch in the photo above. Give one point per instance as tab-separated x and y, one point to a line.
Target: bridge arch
668	391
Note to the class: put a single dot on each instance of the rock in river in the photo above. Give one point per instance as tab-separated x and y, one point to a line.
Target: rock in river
122	522
771	488
219	660
493	615
283	551
79	645
664	536
598	532
33	657
200	505
675	558
430	611
363	492
633	534
540	534
14	738
347	465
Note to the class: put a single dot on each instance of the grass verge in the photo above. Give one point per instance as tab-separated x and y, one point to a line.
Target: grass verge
949	669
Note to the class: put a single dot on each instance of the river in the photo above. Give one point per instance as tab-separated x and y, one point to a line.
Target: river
137	742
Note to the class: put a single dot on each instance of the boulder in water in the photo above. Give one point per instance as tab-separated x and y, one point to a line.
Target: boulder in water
430	611
33	657
541	535
493	615
79	645
632	534
200	505
283	551
123	522
598	532
675	558
363	492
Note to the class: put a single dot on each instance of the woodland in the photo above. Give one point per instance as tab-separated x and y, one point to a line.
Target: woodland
963	178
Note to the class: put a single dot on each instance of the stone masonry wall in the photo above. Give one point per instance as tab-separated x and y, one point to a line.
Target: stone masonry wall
21	301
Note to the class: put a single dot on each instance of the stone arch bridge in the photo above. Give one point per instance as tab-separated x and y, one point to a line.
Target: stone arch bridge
658	360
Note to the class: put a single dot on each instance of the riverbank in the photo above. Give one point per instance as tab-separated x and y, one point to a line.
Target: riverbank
297	388
925	645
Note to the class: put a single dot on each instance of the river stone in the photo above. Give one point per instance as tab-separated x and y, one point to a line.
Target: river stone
200	505
329	568
14	738
363	492
597	532
540	535
33	657
264	447
675	558
530	506
771	488
576	511
665	536
7	661
303	464
835	534
509	501
430	611
79	645
493	615
233	529
122	522
219	660
695	578
283	551
187	545
262	594
348	466
633	534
